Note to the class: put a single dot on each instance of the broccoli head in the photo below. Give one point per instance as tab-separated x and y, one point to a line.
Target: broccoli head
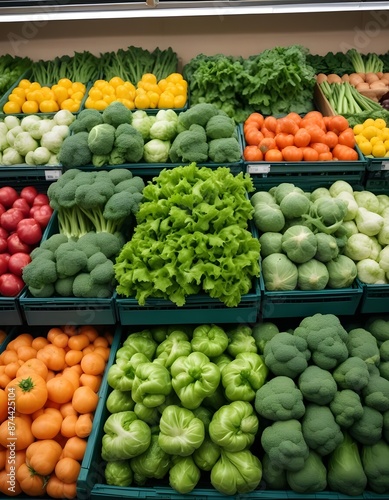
86	120
317	385
109	244
279	399
116	114
199	113
84	286
379	327
44	291
286	354
284	443
121	206
375	462
118	175
44	252
367	430
263	332
190	146
133	185
311	478
100	160
220	126
64	286
103	274
225	150
70	260
363	344
101	139
116	157
352	374
96	259
326	338
39	272
320	430
129	142
376	393
75	151
346	408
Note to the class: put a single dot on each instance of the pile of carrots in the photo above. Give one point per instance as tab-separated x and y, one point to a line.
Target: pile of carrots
312	138
48	395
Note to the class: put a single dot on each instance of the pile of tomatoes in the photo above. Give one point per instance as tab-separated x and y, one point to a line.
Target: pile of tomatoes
23	218
293	138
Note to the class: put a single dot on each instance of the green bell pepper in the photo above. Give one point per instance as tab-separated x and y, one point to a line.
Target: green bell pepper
194	377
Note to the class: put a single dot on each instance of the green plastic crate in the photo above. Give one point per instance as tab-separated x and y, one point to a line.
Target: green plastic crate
198	309
301	303
80	311
10	311
375	298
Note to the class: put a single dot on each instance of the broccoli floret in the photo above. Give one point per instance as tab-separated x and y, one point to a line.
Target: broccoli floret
317	385
379	327
376	393
120	207
199	114
346	408
326	338
352	374
131	185
96	259
103	273
64	286
375	461
273	476
226	150
384	369
386	426
118	175
116	114
109	244
384	351
70	261
362	344
311	478
190	146
39	272
320	430
262	333
220	126
368	429
43	252
100	160
285	354
74	151
84	286
86	120
88	244
44	291
129	142
279	399
101	139
284	443
116	157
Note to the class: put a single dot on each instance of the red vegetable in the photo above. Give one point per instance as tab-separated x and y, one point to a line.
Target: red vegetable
4	258
16	245
2	209
17	261
29	193
11	218
10	285
3	245
8	195
41	199
22	205
29	231
42	214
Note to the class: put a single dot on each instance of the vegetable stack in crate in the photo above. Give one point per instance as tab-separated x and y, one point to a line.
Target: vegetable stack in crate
52	379
71	275
147	143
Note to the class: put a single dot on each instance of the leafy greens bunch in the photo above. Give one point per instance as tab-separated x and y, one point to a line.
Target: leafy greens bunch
327	405
191	236
182	408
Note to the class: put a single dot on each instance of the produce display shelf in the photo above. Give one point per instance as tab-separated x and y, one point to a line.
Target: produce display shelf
301	303
376	164
51	310
198	309
27	175
375	298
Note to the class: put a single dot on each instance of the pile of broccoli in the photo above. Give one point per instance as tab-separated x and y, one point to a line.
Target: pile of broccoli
95	201
118	136
74	268
106	138
206	134
326	405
